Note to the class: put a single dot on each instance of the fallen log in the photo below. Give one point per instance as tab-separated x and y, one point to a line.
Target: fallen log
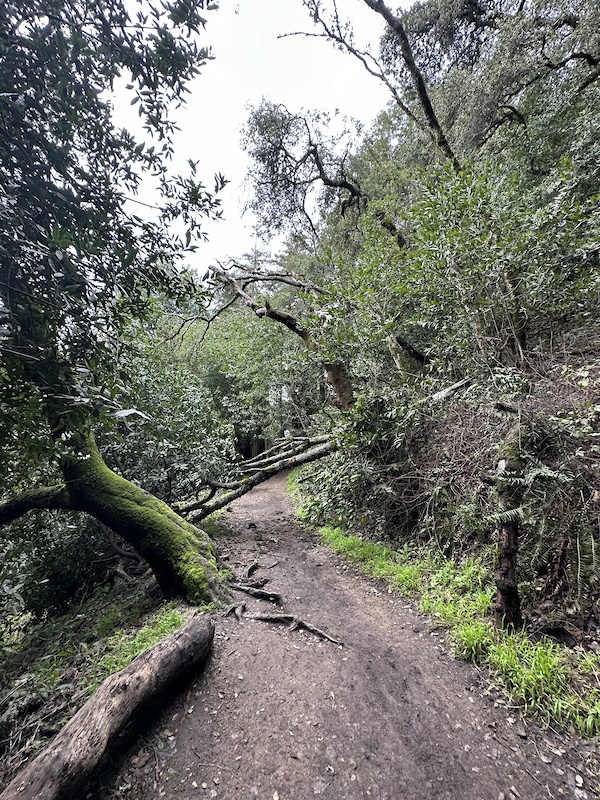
246	484
71	757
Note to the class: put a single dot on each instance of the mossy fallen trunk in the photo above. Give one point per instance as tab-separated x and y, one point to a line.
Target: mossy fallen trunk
60	770
182	557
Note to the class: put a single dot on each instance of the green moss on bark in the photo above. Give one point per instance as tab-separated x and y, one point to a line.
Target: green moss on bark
182	557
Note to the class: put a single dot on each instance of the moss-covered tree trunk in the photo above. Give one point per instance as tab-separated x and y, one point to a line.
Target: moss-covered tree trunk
181	556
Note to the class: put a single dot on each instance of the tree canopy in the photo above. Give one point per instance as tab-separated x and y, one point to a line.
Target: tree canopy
76	257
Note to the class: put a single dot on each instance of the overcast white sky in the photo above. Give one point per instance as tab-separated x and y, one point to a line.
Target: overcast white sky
250	63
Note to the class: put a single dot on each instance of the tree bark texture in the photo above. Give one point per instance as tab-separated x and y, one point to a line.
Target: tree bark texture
182	557
508	603
337	377
75	752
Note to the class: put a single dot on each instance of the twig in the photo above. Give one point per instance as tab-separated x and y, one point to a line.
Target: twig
215	766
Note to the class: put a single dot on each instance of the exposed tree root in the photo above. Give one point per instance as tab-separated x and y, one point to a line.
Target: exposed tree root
252	568
237	609
293	624
261	594
259	583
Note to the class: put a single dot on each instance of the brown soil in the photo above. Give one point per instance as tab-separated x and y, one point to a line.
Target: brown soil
286	715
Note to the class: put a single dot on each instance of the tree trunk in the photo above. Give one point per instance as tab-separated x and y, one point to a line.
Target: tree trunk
75	752
182	557
338	379
508	604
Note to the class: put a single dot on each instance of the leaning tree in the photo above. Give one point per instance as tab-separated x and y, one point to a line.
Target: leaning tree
77	263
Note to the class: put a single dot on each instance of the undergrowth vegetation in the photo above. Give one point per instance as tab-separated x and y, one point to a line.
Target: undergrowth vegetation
546	679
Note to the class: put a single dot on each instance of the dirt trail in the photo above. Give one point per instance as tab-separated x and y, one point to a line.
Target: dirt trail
285	715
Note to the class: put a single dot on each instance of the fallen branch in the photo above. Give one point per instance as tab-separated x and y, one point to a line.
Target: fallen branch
290	453
76	751
278	449
254	480
294	623
287	449
444	394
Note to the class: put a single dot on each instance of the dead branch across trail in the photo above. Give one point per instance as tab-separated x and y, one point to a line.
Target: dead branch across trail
73	755
196	510
293	624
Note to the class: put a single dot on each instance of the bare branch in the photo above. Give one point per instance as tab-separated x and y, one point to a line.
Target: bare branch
189	321
288	278
264	310
444	394
49	497
367	59
436	130
335	373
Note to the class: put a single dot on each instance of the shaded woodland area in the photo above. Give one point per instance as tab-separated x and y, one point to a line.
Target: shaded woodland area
426	345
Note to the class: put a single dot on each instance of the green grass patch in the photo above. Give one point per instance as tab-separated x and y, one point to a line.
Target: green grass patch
54	666
123	646
533	672
546	679
471	641
405	570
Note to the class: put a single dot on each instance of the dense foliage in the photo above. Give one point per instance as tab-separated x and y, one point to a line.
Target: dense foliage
78	263
471	260
455	242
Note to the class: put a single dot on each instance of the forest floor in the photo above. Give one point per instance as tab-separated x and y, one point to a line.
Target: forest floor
283	714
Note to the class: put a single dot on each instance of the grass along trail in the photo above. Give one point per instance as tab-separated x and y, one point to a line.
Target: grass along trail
284	714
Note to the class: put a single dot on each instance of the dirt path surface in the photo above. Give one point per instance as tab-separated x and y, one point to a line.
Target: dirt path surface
285	715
